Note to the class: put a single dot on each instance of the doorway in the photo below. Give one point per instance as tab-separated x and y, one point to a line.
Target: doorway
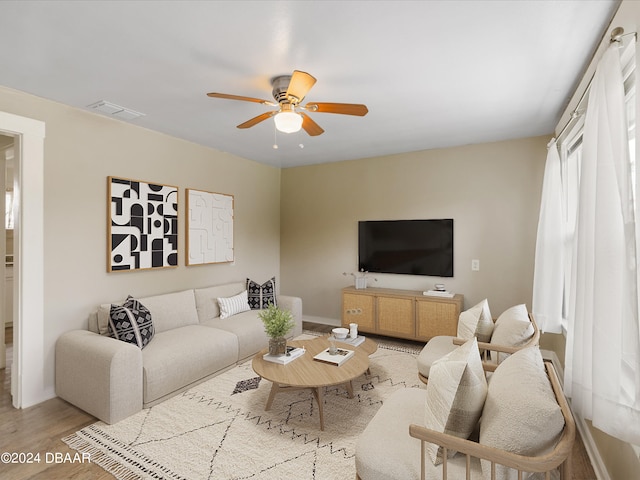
27	369
6	253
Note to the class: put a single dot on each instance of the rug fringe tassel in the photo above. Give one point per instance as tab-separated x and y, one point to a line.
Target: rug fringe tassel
111	465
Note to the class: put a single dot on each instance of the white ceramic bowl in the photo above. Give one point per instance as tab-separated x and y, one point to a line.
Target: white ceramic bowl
340	333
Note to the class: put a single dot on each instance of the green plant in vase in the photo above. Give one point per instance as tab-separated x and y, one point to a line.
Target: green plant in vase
277	323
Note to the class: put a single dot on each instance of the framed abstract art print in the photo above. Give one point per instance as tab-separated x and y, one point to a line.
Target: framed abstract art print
143	225
209	227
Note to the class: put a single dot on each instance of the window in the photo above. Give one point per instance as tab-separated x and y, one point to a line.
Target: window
571	159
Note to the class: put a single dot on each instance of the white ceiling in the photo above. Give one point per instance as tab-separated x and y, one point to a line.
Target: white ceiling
432	73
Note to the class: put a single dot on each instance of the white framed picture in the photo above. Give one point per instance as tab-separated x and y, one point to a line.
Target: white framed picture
209	227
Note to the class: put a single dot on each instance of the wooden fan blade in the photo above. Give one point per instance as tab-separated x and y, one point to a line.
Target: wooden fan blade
311	127
239	97
299	85
341	108
256	120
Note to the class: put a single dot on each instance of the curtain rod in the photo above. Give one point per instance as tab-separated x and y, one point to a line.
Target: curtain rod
616	36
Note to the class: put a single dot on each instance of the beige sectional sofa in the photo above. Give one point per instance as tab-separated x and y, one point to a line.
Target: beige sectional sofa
112	379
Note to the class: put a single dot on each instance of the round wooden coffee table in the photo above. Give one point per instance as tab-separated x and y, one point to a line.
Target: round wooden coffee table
306	373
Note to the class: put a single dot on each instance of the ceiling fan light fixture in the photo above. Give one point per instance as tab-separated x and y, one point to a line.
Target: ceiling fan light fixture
288	122
289	91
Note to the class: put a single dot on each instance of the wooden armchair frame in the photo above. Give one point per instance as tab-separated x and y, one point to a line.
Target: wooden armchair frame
560	456
486	348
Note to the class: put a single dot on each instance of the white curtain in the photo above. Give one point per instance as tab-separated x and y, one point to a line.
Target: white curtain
548	278
602	366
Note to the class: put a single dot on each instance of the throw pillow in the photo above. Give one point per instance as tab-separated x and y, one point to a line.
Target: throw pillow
232	305
103	315
260	296
455	395
131	322
521	414
476	322
513	328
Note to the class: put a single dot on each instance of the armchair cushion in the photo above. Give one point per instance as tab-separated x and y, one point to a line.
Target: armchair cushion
521	414
513	328
384	450
437	348
476	322
455	395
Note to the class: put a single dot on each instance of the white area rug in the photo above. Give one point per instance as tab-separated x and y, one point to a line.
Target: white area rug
220	430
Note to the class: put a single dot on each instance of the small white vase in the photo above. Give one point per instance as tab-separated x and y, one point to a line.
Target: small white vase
353	330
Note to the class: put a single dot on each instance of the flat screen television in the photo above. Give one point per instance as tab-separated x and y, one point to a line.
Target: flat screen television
413	247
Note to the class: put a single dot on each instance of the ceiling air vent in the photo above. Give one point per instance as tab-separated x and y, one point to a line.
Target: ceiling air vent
113	110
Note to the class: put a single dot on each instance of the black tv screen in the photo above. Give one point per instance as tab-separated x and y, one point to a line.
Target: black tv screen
413	247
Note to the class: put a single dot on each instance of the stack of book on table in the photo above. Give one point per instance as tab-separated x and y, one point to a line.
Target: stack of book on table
352	341
292	354
439	293
341	356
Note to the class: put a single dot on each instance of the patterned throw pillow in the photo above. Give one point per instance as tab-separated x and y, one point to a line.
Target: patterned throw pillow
476	322
131	323
260	296
456	393
232	305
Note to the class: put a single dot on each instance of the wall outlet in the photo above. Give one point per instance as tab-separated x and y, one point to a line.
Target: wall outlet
475	265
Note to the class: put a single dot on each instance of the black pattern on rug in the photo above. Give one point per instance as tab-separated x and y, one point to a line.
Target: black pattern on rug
248	384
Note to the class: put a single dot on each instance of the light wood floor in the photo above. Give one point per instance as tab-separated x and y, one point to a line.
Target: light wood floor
38	429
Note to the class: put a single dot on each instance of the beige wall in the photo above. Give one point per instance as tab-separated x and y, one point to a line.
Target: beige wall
621	461
81	150
492	192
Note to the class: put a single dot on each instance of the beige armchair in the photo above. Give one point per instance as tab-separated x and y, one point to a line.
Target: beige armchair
393	446
517	336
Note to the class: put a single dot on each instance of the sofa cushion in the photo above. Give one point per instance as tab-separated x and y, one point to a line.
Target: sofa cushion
476	322
260	296
131	323
207	299
249	329
172	310
513	328
233	305
521	414
184	355
456	393
385	451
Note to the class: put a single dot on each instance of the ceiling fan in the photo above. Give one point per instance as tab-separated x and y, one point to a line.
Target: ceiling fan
288	92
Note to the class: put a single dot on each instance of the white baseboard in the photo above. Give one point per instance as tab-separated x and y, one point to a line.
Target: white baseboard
599	467
335	322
